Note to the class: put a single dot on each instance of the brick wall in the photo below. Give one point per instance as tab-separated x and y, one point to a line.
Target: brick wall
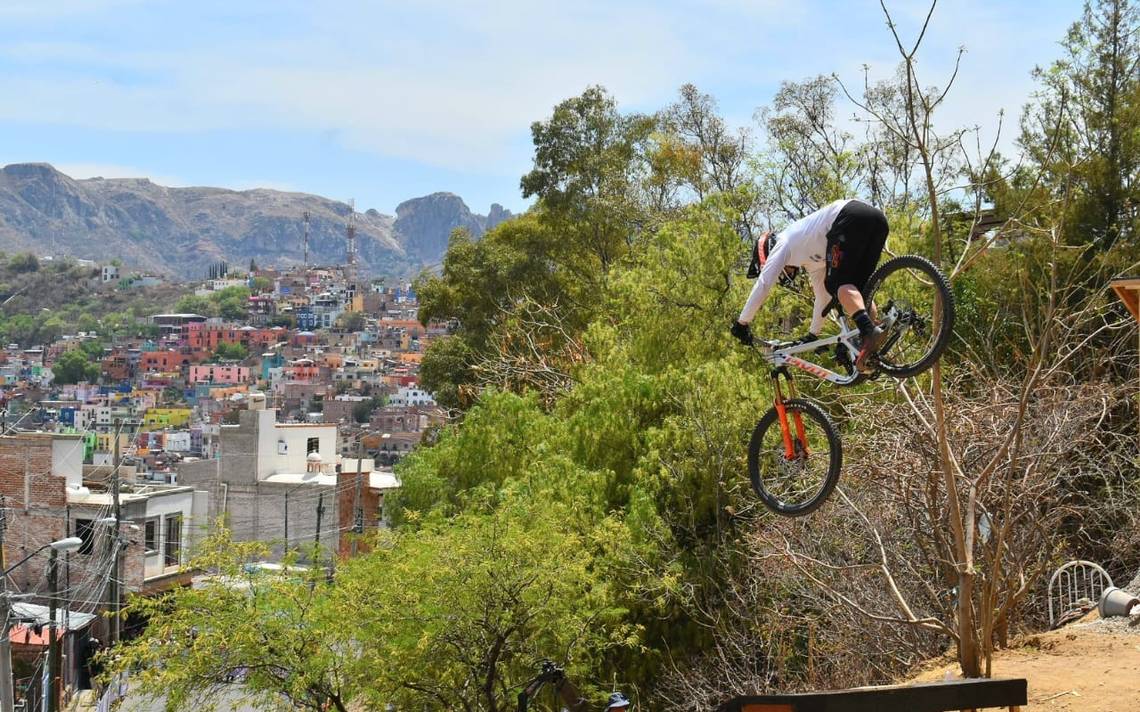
371	504
34	500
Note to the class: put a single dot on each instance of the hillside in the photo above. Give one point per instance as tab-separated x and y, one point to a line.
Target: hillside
179	231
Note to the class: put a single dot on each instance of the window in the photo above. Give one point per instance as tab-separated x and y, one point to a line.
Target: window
85	530
312	445
150	536
173	543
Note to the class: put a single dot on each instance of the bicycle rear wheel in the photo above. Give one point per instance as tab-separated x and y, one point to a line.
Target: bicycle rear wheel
914	295
798	485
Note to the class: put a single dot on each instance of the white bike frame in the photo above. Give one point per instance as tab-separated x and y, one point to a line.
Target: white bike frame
782	356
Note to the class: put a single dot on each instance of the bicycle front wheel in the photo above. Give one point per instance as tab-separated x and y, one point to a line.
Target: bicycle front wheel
914	296
796	485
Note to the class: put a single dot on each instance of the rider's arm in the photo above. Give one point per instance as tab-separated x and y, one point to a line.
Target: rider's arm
764	283
822	299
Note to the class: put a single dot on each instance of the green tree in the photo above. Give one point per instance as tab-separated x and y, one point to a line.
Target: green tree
279	630
231	302
362	411
351	321
231	352
93	349
74	366
24	262
194	304
20	328
49	329
462	610
87	323
588	159
812	162
456	615
261	285
1082	127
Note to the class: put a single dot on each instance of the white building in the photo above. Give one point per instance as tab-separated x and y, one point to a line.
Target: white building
408	395
274	482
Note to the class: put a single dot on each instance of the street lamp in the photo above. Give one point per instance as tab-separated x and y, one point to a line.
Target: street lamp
71	543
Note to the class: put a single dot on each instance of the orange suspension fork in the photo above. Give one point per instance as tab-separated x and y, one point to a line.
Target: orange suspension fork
797	418
782	412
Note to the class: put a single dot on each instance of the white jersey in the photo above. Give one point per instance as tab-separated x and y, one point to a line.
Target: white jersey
801	244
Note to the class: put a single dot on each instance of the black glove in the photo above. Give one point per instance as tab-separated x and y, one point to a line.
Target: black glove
807	339
742	332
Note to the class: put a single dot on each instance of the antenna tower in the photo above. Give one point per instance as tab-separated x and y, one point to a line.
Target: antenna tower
350	268
306	238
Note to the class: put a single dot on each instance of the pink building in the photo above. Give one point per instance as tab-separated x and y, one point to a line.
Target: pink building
219	373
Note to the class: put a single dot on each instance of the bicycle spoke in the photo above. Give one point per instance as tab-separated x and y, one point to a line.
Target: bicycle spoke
801	478
913	298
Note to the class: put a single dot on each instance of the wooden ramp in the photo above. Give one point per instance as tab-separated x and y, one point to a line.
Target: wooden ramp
929	697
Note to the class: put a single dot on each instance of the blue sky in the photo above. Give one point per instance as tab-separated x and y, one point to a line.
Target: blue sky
384	101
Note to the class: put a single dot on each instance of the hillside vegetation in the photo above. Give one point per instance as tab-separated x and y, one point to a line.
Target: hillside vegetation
43	299
590	503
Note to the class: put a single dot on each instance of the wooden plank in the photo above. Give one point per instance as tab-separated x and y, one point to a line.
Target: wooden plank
930	697
1128	289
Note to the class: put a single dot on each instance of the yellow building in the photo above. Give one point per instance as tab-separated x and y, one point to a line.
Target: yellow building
163	418
105	442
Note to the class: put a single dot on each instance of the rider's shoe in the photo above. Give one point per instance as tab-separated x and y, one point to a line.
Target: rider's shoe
868	349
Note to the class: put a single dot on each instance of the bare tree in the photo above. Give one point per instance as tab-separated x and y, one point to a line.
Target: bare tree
977	503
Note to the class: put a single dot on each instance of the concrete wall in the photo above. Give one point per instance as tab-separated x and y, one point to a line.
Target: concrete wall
257	513
295	439
67	458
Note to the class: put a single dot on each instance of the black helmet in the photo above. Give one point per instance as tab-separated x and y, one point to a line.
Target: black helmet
760	252
617	702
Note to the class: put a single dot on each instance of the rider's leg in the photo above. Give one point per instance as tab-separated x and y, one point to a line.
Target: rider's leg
855	243
850	298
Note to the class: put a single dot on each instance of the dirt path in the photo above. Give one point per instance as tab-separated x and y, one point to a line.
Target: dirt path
1090	666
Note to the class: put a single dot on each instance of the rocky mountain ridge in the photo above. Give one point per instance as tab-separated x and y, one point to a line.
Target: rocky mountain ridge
180	231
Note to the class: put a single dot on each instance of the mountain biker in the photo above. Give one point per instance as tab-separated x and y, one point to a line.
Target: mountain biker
839	246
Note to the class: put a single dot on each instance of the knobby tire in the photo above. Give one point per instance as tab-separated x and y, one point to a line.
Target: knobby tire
812	412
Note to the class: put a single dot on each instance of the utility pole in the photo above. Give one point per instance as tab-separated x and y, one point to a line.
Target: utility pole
320	513
113	540
357	512
51	702
7	698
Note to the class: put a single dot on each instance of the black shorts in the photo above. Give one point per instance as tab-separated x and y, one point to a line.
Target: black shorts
854	244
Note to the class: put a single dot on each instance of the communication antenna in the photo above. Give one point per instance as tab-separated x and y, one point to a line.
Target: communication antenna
307	238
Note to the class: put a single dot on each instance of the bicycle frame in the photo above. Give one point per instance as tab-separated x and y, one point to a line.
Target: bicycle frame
782	356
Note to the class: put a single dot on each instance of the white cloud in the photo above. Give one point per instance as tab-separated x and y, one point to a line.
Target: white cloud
456	84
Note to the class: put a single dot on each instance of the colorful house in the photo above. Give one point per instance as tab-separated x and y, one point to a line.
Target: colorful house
163	418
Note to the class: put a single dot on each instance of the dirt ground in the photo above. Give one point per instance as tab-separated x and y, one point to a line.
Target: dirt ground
1092	666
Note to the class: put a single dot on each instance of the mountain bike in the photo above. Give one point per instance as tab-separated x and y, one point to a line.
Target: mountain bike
795	453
